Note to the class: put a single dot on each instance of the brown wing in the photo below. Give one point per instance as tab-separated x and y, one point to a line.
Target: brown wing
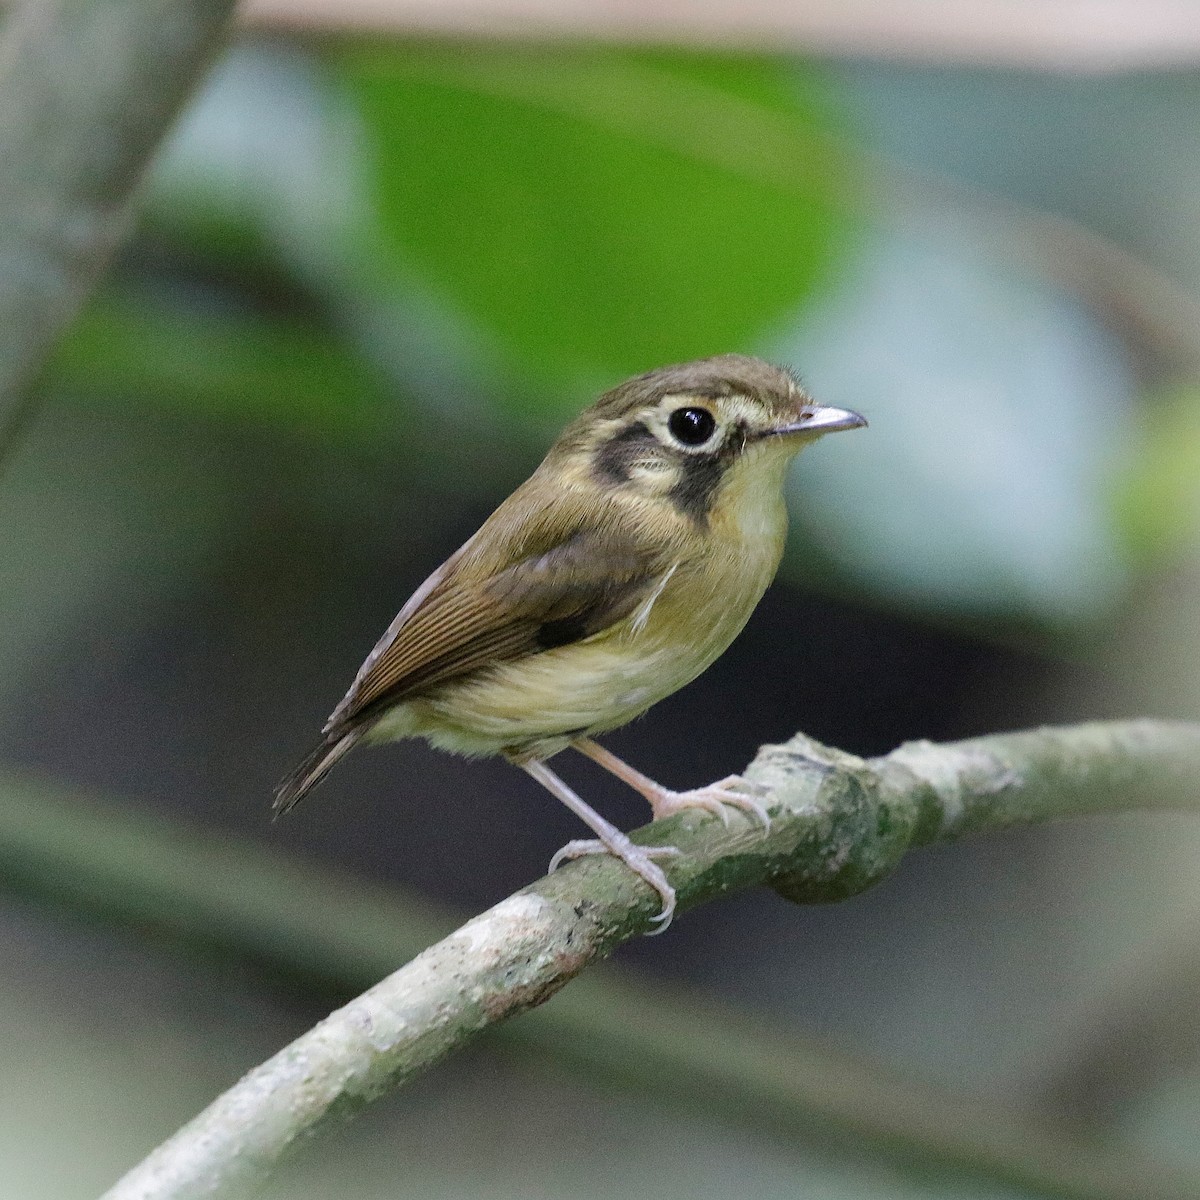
571	582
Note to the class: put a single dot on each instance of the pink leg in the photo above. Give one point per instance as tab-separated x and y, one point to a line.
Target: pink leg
717	798
609	840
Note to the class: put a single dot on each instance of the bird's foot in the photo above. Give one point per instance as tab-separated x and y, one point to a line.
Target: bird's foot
717	798
639	859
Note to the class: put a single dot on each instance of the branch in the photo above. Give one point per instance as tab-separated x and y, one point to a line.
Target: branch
88	88
840	824
337	935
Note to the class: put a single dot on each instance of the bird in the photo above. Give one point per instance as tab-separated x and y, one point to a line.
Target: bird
621	569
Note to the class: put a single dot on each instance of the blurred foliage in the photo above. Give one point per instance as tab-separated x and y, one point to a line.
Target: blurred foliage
1158	496
602	211
354	245
565	218
241	365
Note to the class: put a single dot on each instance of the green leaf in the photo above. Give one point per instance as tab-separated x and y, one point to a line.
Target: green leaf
599	211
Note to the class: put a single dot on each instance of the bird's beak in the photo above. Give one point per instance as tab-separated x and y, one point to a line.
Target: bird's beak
822	419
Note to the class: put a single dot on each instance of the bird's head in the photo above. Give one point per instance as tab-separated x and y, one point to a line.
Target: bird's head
685	432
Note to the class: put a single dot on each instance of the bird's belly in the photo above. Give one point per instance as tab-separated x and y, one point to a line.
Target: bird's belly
537	704
581	689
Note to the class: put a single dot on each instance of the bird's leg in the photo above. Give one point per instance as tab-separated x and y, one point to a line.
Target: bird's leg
717	798
610	840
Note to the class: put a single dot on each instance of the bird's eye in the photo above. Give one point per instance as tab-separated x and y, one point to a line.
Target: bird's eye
692	426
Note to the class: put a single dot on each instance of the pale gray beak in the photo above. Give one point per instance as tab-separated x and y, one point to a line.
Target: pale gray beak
823	419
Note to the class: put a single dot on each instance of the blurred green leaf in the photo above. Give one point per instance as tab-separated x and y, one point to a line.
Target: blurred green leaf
600	211
1158	500
229	363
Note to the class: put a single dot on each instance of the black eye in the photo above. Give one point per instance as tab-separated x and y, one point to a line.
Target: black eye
692	426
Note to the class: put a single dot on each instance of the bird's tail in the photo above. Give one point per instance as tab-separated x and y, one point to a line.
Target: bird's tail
310	772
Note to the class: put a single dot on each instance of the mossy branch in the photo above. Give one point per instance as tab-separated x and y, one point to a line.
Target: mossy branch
88	88
840	824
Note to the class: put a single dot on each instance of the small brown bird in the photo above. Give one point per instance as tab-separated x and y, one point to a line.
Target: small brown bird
614	575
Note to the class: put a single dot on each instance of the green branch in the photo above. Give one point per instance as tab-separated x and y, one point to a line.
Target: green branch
88	88
840	824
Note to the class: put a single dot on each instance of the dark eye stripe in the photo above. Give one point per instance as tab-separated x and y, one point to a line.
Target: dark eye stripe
698	485
615	458
700	473
702	476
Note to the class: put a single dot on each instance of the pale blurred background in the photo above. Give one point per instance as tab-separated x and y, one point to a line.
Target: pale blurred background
389	250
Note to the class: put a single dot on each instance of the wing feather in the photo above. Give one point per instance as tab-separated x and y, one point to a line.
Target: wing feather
577	579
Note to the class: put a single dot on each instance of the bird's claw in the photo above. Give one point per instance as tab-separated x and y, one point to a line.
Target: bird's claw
717	798
639	859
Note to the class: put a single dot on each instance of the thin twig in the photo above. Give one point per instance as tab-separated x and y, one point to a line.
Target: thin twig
840	824
88	88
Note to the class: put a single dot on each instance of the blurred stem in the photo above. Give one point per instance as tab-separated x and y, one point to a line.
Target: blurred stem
840	825
1143	1031
88	88
1090	36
